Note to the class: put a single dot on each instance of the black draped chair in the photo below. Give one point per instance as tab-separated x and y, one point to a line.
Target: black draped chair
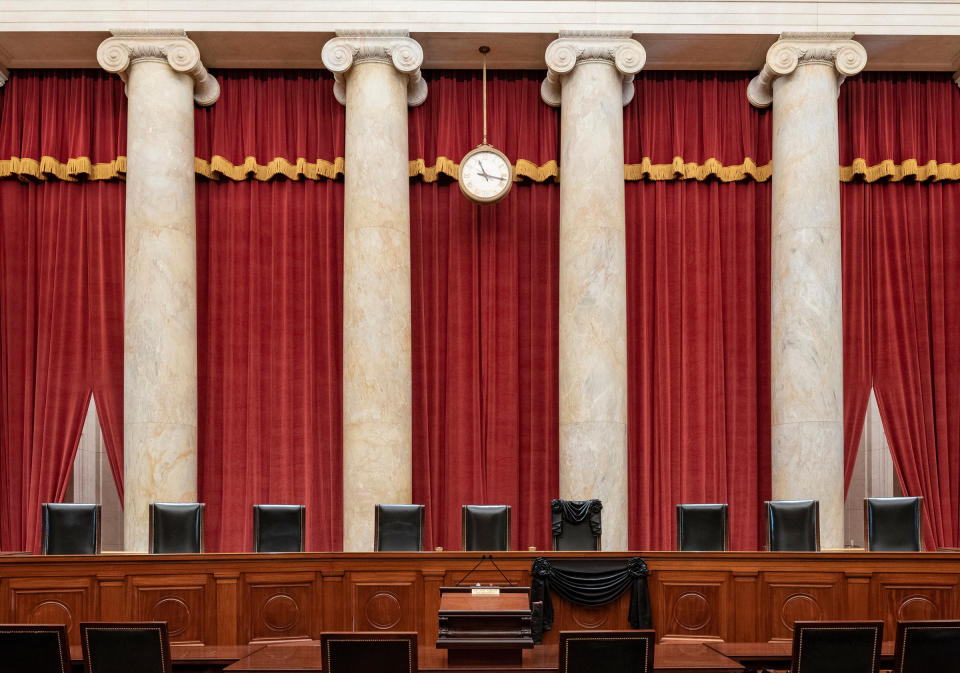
359	652
893	524
34	648
927	647
398	527
125	647
576	524
793	525
702	527
486	527
69	528
836	647
609	651
278	528
176	528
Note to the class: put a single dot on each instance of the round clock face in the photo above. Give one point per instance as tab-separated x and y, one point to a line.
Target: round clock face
485	175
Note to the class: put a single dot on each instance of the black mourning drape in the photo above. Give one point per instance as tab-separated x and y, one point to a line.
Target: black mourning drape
575	511
592	582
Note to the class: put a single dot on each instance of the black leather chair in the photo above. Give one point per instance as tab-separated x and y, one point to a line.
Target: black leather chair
609	651
486	527
702	527
576	524
69	528
836	647
893	524
925	647
398	527
380	651
278	528
37	648
793	525
123	647
176	528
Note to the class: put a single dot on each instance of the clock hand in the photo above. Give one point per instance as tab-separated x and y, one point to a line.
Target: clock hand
483	172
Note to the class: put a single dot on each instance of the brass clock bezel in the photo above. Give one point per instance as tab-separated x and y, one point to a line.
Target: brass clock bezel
486	200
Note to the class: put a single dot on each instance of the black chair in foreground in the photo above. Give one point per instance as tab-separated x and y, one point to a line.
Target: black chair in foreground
702	527
836	647
278	528
398	527
893	524
486	527
616	651
37	648
576	524
793	525
124	647
927	647
359	652
176	528
69	528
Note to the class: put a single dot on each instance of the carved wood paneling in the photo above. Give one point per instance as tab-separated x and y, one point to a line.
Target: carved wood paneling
387	601
792	597
911	597
280	607
692	606
185	602
53	600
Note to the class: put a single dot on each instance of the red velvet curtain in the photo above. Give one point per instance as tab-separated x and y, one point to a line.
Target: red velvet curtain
901	282
484	297
270	266
698	309
61	288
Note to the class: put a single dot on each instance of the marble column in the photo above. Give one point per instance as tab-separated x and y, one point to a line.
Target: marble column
590	76
801	78
377	75
164	76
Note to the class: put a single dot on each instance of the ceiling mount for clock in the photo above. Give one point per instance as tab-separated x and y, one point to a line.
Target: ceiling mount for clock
486	175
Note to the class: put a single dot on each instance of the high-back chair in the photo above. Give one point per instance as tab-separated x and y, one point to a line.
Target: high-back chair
927	647
278	528
618	651
836	647
124	647
893	524
176	528
702	527
37	648
486	527
576	524
69	528
793	525
398	527
359	652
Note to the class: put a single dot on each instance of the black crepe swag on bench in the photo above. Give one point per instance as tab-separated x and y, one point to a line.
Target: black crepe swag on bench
592	582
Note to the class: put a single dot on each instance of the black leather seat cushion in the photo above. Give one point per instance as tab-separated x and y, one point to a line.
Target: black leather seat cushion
792	525
34	649
830	648
893	524
70	528
925	647
369	652
486	528
176	527
702	527
123	648
278	528
610	652
399	527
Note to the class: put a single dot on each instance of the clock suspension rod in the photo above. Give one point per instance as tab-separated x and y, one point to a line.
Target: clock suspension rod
484	50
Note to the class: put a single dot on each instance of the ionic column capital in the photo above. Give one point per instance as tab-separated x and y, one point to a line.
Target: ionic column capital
117	53
795	49
573	47
396	47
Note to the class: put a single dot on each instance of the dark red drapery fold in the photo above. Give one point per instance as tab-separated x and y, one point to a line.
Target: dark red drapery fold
902	298
484	297
270	269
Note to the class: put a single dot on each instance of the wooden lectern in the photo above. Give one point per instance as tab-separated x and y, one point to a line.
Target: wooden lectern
485	625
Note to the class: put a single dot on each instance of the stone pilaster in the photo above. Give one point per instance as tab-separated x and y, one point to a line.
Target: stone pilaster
801	78
164	76
377	75
590	76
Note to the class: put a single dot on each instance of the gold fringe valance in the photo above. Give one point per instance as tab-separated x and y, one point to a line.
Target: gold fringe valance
217	166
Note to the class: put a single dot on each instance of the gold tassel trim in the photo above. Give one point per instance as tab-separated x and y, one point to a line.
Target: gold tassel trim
75	168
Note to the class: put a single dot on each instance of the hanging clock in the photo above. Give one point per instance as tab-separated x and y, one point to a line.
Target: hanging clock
486	175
